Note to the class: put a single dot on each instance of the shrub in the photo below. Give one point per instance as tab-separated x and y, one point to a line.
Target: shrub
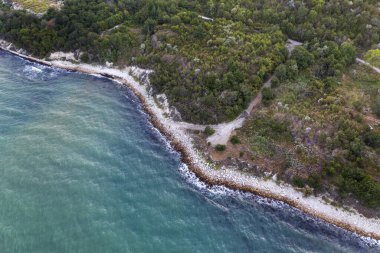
235	140
280	72
358	105
298	182
209	131
362	185
220	147
307	191
372	139
275	82
330	171
85	57
314	181
376	106
268	96
291	69
303	58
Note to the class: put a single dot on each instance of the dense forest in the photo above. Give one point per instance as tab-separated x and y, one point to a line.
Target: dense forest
221	60
211	58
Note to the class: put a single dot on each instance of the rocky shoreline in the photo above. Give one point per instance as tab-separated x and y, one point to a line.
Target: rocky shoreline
228	177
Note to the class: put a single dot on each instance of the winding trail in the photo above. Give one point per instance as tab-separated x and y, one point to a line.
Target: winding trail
223	131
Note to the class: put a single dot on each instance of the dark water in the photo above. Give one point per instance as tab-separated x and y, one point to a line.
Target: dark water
82	170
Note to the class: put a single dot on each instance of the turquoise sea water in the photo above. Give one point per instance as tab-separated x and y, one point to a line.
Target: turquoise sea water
82	170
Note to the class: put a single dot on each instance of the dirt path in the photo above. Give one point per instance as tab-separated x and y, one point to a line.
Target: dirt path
368	64
372	120
223	131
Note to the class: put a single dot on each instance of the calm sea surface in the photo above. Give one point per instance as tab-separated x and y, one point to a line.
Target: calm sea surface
82	170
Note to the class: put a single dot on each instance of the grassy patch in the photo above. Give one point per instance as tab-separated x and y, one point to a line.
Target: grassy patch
37	6
373	57
270	127
263	132
362	77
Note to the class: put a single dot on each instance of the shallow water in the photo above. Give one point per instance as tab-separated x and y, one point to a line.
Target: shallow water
82	170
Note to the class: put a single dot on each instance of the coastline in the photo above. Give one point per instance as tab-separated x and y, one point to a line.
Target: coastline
228	177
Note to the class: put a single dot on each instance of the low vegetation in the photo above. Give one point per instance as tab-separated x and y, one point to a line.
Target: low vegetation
220	147
315	134
373	57
235	140
209	131
36	6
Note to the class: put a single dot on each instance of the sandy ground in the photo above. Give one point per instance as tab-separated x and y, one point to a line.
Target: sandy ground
229	177
62	56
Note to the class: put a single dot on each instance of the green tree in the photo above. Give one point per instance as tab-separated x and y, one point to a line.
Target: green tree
303	57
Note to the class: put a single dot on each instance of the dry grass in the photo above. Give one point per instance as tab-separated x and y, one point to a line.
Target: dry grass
37	6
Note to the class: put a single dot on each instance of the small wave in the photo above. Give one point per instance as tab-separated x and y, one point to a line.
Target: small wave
281	210
191	178
36	71
98	76
31	70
